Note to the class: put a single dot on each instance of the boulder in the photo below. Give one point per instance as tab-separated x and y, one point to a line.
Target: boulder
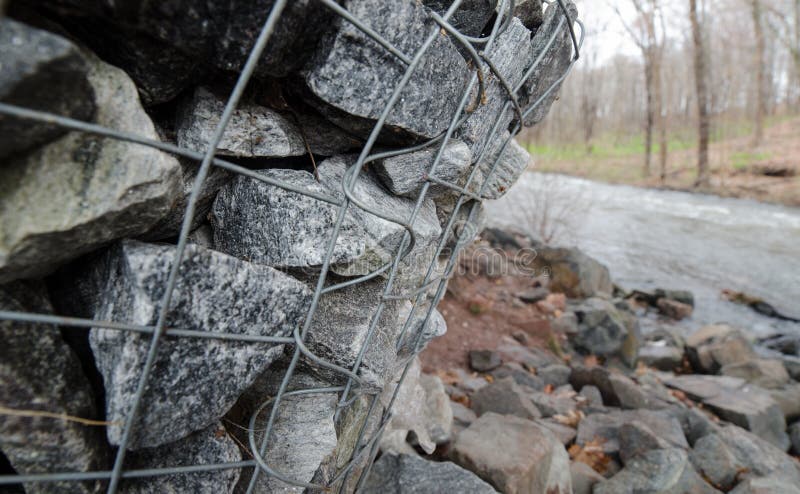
407	474
573	273
511	55
257	301
471	17
662	471
208	446
41	71
564	433
351	78
263	223
462	416
714	346
256	131
696	423
733	400
605	427
660	356
506	397
733	453
484	360
555	403
521	376
515	455
405	174
636	438
82	191
530	12
409	414
438	410
674	309
435	327
40	373
592	395
555	60
603	330
616	389
770	374
584	478
556	375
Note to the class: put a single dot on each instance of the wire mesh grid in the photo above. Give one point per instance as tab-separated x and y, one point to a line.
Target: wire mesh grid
348	478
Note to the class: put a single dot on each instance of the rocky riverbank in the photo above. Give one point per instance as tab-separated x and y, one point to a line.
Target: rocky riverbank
573	395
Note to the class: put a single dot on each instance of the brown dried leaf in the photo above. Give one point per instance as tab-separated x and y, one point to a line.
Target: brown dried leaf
591	454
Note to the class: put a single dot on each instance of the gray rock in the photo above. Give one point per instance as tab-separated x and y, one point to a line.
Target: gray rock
255	131
606	427
409	412
511	55
471	17
514	455
616	389
406	474
733	452
405	174
506	397
484	360
511	161
555	375
564	433
606	331
573	273
267	224
636	438
663	471
166	49
338	333
553	404
258	301
696	423
766	486
351	78
584	478
554	63
462	416
209	446
770	374
592	395
41	71
81	191
529	358
713	347
661	357
732	400
436	326
439	412
530	12
39	372
464	229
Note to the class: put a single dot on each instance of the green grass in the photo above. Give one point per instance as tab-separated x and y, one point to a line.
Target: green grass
606	147
740	161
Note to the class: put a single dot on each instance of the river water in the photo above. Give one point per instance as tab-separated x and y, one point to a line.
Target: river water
652	238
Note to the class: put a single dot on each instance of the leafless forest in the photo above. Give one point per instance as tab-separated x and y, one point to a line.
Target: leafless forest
707	97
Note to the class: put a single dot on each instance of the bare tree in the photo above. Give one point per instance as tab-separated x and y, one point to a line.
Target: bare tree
701	85
761	72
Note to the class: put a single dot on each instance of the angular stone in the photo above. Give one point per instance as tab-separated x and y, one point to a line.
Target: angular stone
770	374
606	428
564	433
256	131
470	219
82	191
208	446
592	395
514	455
713	459
636	438
410	413
462	416
500	168
663	471
696	423
574	273
484	360
555	61
674	309
584	477
435	327
40	373
732	400
405	174
714	346
616	389
556	375
351	78
166	49
506	397
553	404
530	12
471	17
407	474
661	357
439	413
212	373
267	224
41	71
602	329
764	485
511	55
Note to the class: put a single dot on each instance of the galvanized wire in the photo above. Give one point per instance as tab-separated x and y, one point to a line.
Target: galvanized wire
365	448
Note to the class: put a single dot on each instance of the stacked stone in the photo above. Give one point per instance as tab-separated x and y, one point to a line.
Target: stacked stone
90	223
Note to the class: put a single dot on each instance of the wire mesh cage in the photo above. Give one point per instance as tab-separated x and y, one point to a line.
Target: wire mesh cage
352	394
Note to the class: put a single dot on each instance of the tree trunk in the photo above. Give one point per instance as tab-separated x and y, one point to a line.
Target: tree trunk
701	80
660	110
650	118
761	72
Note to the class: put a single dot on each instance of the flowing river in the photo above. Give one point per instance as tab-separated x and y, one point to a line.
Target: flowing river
652	238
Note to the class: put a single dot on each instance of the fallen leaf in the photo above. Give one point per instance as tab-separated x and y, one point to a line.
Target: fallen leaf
591	454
